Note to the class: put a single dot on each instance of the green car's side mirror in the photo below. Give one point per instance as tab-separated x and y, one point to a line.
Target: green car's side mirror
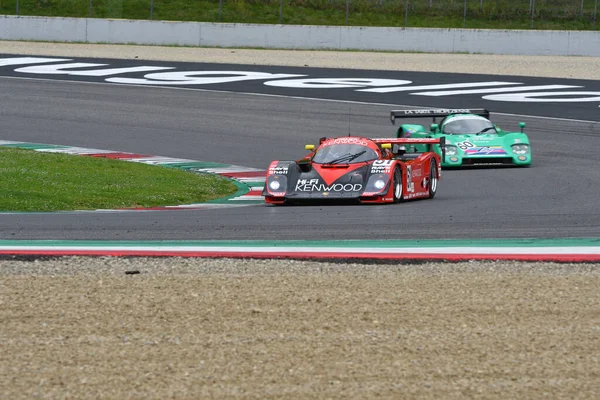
521	125
433	128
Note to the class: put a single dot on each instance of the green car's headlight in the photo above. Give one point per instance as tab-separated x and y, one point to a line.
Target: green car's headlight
450	150
520	148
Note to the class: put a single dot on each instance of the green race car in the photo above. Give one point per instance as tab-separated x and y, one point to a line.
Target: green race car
471	138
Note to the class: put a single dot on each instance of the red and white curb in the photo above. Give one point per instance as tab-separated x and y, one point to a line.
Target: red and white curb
552	250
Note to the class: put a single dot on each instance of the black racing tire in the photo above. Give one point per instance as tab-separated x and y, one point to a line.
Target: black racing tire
433	179
397	188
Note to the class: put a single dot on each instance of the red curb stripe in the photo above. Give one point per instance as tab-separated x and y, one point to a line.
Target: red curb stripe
162	208
117	156
315	255
254	192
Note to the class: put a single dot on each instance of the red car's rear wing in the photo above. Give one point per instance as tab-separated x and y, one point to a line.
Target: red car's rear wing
437	112
441	141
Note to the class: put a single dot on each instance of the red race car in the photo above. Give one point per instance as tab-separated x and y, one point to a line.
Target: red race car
356	169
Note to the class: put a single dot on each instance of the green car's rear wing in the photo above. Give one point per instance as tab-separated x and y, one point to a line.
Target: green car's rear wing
437	112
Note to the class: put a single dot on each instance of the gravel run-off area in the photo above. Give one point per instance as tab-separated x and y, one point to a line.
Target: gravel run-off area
188	328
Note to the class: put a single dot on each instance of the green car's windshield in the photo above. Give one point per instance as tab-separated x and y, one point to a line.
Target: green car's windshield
468	125
344	154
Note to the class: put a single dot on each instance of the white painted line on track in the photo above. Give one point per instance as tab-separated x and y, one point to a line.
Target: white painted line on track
493	90
418	88
286	96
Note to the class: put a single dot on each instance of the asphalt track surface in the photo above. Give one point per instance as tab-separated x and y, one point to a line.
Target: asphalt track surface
556	197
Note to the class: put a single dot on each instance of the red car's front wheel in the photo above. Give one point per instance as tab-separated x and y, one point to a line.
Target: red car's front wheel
397	188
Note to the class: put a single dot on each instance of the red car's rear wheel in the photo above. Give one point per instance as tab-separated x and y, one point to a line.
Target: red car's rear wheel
433	179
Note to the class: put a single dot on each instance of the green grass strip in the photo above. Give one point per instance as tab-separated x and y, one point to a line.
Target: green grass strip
35	181
486	14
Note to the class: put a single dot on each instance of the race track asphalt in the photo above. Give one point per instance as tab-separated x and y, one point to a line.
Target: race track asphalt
556	197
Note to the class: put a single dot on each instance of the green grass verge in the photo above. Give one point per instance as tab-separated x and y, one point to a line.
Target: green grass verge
492	14
34	181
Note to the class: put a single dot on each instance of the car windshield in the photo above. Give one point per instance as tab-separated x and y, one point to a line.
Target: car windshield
344	154
461	126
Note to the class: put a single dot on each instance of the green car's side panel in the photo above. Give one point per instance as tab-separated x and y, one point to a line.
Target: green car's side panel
481	147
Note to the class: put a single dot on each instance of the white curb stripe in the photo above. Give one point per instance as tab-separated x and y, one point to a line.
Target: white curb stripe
584	250
76	151
161	160
247	197
232	169
252	180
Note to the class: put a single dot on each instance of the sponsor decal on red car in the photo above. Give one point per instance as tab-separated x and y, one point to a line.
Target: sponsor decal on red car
313	185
